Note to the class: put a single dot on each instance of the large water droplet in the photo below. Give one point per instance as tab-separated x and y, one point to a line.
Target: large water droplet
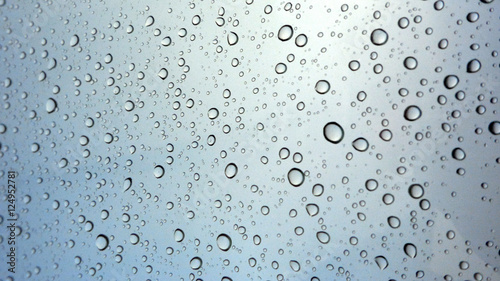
231	170
312	209
74	40
149	21
473	66
285	33
51	105
458	154
232	38
323	237
494	127
333	132
101	242
163	74
393	221
296	177
224	242
381	262
416	191
159	171
322	86
410	250
178	235
360	144
196	263
451	81
379	37
295	266
412	113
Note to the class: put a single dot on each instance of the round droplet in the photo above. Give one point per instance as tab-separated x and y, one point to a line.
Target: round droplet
166	41
412	113
213	113
451	81
163	74
178	235
224	242
301	40
284	153
379	37
386	135
196	263
74	40
318	189
410	250
473	66
381	262
129	105
393	221
312	209
494	127
410	63
416	191
371	185
333	132
403	22
231	170
134	239
51	105
354	65
323	237
296	177
280	68
458	154
101	242
285	32
232	38
159	171
322	86
360	144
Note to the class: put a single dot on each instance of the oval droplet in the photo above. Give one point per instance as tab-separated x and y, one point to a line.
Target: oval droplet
410	250
285	32
224	242
360	144
412	113
296	177
101	242
323	237
379	37
231	170
322	86
333	132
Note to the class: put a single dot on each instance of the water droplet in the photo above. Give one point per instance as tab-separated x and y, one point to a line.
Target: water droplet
381	262
166	41
295	266
494	127
51	105
301	40
74	40
451	81
410	63
318	189
322	86
393	221
296	177
224	242
178	235
232	38
360	144
386	135
473	66
412	113
231	170
196	263
312	209
280	68
458	154
333	132
354	65
410	250
323	237
134	239
371	185
416	191
158	171
149	21
127	184
101	242
379	37
285	32
213	113
163	74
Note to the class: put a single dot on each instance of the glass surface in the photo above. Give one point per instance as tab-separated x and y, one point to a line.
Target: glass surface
249	140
